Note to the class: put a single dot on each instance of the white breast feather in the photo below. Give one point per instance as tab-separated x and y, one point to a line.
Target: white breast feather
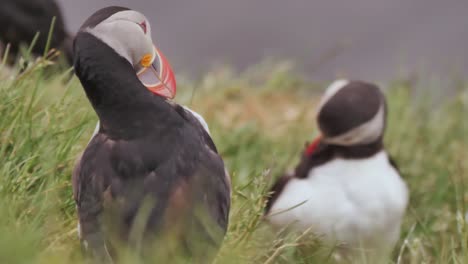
199	118
356	202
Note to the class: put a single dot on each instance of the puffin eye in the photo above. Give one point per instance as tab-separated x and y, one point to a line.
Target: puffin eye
143	26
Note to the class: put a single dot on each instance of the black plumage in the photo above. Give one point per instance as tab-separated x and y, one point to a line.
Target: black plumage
151	168
20	20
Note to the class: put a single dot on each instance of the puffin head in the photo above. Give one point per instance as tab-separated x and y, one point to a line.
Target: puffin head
352	113
128	33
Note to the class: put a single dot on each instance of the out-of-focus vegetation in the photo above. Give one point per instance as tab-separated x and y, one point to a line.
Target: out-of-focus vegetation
260	121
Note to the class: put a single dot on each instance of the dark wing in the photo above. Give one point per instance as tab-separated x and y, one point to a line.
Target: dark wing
392	162
206	186
181	182
88	192
189	117
276	190
221	196
199	205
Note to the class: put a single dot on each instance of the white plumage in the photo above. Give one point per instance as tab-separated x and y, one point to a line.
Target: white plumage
355	202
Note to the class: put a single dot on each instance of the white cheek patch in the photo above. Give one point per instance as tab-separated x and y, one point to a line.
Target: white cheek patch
108	34
123	33
331	91
363	134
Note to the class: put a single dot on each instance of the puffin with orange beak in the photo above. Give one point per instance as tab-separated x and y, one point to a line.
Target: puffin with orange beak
346	189
150	180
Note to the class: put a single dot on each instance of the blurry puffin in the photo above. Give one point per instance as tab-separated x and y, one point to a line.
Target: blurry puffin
151	178
346	189
21	19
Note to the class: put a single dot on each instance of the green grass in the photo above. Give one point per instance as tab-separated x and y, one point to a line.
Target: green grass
260	121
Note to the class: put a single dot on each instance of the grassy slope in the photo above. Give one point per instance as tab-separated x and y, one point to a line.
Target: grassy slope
259	122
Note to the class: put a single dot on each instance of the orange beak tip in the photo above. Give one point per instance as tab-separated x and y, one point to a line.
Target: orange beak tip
158	76
146	60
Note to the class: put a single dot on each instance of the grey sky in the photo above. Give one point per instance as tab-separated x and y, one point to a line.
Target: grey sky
372	39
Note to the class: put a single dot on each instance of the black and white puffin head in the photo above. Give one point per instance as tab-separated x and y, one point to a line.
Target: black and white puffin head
128	33
351	113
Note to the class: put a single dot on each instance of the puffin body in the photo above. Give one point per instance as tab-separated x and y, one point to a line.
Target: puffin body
151	178
22	19
345	189
195	118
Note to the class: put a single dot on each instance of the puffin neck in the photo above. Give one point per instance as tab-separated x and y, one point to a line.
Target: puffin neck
358	151
112	87
318	153
347	152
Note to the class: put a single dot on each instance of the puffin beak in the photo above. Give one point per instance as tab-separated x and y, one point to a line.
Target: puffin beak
310	149
157	74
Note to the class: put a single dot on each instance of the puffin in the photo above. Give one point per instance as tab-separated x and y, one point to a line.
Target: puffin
150	181
22	19
346	190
